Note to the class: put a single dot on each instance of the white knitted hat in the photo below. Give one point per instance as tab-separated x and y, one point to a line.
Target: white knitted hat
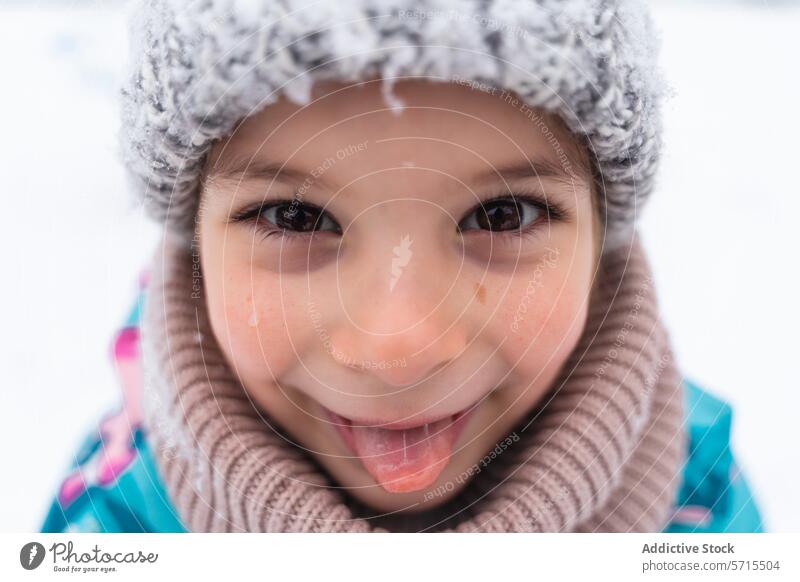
200	66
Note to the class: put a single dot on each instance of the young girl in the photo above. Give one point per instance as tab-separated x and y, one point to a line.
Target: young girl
400	286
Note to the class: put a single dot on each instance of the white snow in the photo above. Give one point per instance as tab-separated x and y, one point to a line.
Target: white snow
721	232
71	243
722	227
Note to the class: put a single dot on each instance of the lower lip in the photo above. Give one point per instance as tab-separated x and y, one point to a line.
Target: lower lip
343	424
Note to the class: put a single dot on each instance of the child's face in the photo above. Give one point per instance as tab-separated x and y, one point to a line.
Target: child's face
384	294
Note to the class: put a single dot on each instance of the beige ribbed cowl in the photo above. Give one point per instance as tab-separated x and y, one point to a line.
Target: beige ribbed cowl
601	452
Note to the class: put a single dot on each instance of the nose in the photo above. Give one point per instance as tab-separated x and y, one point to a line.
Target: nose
401	322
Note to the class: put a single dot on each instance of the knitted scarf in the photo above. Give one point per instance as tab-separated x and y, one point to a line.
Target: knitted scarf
601	451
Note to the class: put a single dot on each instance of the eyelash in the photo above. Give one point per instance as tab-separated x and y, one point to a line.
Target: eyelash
252	214
552	212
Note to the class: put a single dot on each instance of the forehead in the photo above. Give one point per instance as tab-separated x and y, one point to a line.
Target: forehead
447	127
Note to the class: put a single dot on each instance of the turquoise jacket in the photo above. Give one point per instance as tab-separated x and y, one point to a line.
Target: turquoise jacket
113	484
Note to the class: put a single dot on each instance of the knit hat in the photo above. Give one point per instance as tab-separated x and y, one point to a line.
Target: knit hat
200	66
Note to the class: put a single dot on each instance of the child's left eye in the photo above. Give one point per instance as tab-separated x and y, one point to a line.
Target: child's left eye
502	214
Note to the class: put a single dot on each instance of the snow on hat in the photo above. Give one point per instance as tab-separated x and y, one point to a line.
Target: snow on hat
198	67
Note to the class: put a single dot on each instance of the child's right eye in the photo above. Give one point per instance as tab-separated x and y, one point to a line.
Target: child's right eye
289	217
298	217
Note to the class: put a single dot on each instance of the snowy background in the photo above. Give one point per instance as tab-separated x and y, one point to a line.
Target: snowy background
722	232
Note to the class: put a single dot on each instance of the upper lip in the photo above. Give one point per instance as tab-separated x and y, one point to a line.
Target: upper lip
403	423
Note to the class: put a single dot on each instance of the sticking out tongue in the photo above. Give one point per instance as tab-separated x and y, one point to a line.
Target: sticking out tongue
408	459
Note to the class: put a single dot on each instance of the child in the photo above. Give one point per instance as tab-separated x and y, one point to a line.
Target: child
400	286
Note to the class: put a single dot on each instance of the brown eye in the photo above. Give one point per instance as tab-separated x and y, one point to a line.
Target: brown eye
502	214
298	217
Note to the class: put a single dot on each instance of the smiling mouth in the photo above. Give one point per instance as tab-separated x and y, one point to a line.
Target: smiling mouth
401	457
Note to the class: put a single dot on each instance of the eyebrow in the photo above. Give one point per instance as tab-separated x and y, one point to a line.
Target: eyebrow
241	168
533	168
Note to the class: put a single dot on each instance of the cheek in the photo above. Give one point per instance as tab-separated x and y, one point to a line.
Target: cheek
255	316
543	316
